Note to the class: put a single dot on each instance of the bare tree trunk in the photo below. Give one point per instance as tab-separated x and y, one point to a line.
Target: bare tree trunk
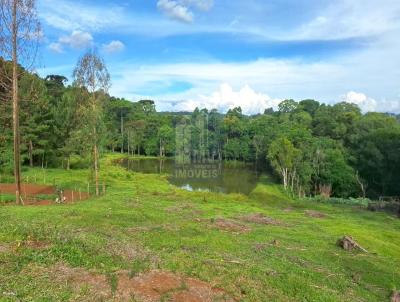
17	164
30	153
363	186
96	167
129	138
122	133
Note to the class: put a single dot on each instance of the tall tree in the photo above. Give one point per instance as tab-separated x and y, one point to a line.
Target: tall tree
19	36
91	73
284	156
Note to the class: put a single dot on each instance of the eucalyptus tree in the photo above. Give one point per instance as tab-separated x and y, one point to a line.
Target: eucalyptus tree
91	73
19	36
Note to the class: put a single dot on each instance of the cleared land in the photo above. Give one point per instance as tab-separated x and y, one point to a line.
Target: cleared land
146	240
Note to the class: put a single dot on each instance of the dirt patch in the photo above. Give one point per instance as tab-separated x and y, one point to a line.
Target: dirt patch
30	192
230	226
4	248
260	218
152	286
85	285
315	214
36	244
186	210
132	252
157	286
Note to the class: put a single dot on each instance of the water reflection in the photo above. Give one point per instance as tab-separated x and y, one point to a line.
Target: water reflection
239	178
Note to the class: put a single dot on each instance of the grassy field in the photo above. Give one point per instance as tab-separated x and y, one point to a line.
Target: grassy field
143	223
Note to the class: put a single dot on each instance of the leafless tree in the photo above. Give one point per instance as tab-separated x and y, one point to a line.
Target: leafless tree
19	38
91	73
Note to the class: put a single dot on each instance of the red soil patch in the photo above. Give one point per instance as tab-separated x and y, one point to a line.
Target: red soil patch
153	286
30	191
314	214
157	285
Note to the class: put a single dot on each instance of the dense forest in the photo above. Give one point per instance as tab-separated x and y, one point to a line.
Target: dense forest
313	148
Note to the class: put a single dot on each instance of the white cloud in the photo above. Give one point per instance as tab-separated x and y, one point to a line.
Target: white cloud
368	104
72	15
175	10
113	47
344	19
279	78
365	103
56	47
226	98
78	39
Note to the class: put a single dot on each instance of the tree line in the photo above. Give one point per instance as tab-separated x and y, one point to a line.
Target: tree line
313	148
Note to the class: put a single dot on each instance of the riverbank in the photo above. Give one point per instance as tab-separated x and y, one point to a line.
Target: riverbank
261	247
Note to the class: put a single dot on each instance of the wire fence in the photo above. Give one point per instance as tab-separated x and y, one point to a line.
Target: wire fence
39	187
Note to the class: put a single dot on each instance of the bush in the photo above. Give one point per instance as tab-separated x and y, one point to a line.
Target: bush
335	200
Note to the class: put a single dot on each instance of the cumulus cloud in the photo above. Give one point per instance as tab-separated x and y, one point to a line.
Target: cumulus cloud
113	47
366	103
77	40
175	10
226	98
181	10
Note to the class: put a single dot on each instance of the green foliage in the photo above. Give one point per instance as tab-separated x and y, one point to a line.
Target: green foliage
327	149
363	202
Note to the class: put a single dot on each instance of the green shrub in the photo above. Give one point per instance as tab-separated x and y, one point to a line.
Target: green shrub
335	200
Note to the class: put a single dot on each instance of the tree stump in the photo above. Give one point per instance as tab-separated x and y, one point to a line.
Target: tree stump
349	244
395	296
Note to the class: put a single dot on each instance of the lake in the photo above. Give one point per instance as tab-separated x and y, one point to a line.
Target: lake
232	178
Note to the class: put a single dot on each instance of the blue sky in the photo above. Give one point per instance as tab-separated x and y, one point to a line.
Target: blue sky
221	54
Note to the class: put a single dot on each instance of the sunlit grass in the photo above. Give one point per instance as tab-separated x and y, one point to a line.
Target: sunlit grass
172	229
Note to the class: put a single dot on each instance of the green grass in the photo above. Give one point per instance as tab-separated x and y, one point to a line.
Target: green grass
143	223
6	198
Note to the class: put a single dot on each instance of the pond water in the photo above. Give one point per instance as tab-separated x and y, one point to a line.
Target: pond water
239	178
